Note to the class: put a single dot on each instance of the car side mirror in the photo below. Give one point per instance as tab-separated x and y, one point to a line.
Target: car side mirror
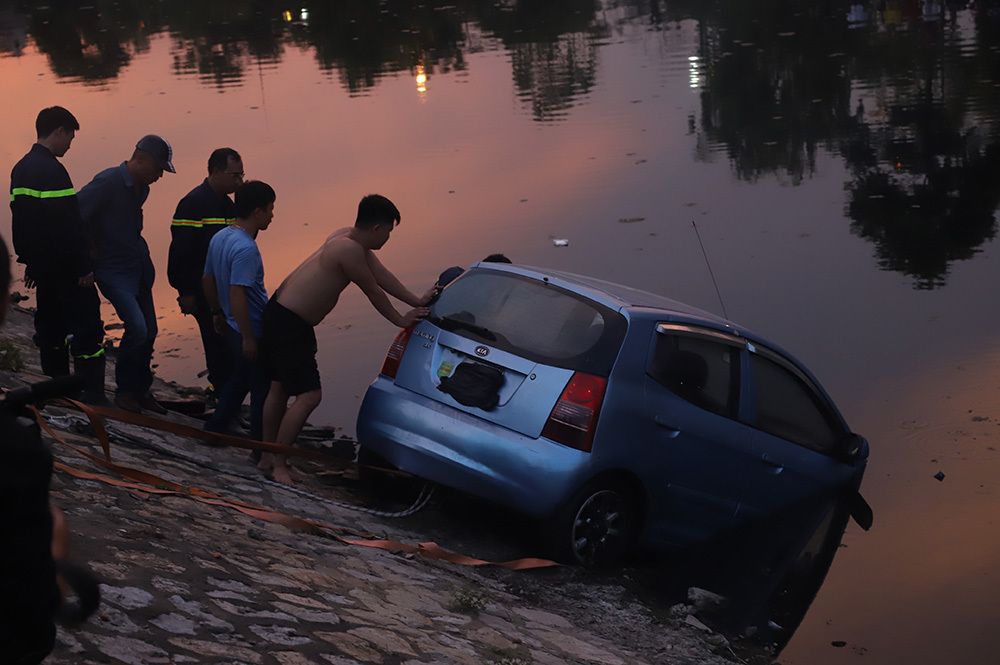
856	446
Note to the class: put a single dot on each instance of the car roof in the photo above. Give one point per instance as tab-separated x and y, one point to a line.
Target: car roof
616	296
635	301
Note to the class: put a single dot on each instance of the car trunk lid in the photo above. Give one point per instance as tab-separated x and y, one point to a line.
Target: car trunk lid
497	386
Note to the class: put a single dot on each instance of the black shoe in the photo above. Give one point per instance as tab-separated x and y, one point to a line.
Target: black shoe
96	399
128	402
149	403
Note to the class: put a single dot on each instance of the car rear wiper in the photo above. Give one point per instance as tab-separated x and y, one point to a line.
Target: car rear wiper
450	323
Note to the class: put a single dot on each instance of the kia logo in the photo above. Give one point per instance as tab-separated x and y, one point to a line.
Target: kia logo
482	351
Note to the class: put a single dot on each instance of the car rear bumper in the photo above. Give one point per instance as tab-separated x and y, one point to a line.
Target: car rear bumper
444	445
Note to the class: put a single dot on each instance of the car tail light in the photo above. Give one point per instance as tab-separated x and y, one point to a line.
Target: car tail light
391	364
574	417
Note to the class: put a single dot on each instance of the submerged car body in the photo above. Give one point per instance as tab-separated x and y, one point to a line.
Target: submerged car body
611	415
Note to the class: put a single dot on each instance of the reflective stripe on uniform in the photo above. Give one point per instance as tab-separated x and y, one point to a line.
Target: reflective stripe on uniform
88	356
197	223
39	194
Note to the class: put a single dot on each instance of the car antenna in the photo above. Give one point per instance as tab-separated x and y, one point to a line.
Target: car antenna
710	272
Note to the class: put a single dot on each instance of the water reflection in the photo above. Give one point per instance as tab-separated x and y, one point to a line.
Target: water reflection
90	44
222	43
768	572
904	92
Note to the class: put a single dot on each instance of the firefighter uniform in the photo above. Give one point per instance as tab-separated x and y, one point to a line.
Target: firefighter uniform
199	216
50	239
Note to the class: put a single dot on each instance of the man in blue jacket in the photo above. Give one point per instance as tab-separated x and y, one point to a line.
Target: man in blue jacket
111	204
51	241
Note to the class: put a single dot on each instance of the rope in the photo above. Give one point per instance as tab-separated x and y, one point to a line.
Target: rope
69	421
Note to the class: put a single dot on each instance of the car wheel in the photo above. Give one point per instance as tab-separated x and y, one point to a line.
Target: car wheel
595	528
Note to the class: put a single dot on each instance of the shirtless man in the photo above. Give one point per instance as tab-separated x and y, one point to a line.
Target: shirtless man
306	296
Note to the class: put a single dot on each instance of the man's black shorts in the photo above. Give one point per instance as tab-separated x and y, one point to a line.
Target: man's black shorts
289	349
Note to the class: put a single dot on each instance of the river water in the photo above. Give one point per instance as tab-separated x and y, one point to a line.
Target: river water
840	163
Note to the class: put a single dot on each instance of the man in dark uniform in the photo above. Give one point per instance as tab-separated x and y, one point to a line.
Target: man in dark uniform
52	242
29	593
200	215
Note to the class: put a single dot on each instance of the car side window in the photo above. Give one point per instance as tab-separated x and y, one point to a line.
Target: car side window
788	408
702	371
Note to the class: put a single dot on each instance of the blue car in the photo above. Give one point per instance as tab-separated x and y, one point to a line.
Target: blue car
613	417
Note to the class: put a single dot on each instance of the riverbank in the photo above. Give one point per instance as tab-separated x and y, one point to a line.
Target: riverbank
192	572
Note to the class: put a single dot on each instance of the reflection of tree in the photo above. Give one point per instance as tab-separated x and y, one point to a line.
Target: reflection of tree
925	167
13	35
219	42
364	40
90	43
552	75
553	46
922	219
780	78
553	43
775	90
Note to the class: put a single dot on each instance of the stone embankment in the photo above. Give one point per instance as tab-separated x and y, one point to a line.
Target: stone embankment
190	579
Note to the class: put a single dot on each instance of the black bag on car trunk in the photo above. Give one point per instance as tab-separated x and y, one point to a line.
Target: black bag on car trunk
474	384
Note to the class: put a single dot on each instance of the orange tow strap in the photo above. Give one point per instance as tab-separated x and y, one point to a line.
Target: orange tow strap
152	484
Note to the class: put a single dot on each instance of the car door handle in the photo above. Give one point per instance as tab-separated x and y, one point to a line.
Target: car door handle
773	466
666	423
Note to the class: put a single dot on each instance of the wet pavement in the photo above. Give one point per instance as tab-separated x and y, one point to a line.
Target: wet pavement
185	579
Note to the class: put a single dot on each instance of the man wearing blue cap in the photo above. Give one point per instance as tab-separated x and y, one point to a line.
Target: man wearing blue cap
111	205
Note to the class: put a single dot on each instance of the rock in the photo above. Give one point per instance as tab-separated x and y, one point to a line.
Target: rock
706	601
680	610
691	620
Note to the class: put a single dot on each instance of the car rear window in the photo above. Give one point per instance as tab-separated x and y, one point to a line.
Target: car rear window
532	319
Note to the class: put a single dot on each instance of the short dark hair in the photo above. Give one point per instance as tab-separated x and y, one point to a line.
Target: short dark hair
219	159
52	118
251	195
497	258
5	275
376	209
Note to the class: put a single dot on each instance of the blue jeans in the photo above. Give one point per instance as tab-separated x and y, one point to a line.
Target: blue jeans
133	301
249	376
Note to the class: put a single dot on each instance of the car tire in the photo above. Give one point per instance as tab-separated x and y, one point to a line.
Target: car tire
596	528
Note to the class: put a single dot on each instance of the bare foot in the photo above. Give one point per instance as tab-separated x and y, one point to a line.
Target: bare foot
266	463
283	475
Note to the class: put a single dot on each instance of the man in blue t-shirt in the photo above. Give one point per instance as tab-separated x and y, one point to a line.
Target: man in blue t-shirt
234	288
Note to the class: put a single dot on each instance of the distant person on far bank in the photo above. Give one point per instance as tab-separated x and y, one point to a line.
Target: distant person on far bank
234	287
111	205
203	212
51	240
302	301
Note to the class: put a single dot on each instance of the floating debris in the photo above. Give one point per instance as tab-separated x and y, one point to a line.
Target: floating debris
939	476
560	242
631	220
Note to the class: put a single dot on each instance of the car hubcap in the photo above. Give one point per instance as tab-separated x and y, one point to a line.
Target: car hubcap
599	527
